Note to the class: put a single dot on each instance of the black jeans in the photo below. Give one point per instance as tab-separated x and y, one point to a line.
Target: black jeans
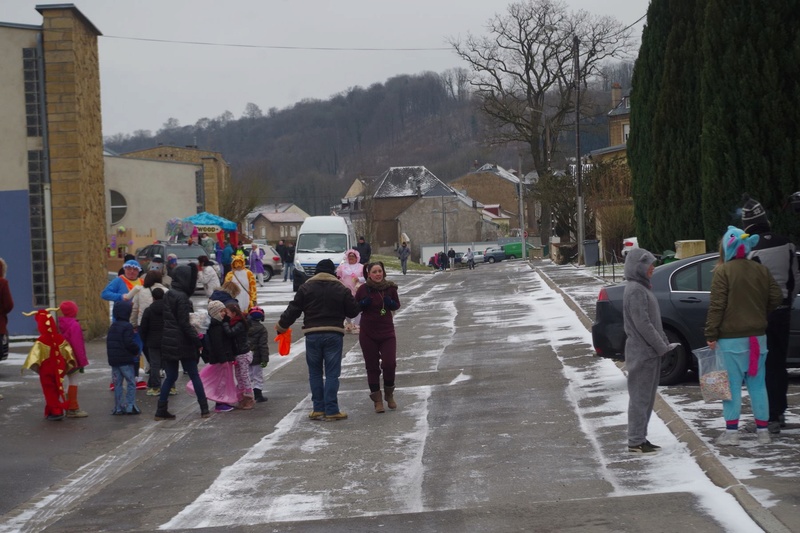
776	376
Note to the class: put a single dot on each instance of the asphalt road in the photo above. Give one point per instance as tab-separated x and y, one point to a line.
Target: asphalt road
506	422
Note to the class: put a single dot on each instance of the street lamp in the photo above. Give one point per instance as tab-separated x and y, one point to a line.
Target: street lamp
578	169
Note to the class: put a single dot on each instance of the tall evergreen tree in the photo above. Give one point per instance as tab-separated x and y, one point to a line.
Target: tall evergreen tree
674	204
750	103
647	77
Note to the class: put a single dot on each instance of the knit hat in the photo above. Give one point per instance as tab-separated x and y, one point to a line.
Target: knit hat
172	259
69	308
215	309
256	313
132	263
326	266
753	213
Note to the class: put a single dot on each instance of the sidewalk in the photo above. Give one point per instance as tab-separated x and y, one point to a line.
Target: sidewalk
762	479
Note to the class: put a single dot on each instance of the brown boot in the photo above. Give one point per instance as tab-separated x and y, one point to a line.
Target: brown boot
390	397
246	403
377	397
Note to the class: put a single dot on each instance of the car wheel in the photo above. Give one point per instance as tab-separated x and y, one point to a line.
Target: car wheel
267	274
491	259
675	364
512	257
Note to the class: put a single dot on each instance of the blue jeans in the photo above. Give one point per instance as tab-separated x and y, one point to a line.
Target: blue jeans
324	355
287	272
171	370
125	373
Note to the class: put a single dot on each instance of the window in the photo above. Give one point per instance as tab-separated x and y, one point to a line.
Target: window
118	207
263	232
200	191
283	231
39	265
33	107
293	231
626	130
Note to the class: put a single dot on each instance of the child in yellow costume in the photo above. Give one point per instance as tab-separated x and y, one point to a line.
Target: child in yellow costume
246	281
51	357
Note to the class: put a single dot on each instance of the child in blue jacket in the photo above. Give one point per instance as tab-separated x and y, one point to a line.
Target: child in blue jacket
123	356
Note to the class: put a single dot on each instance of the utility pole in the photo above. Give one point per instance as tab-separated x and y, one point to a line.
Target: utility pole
522	232
578	167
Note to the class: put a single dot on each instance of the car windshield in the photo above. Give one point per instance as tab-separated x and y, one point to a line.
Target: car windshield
186	252
322	242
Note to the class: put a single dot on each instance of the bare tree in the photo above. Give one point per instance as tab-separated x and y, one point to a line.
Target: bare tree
247	190
523	69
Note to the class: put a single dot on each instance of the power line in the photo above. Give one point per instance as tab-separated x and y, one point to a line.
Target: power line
281	47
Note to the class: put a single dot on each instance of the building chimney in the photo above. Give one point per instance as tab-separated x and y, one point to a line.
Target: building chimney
616	95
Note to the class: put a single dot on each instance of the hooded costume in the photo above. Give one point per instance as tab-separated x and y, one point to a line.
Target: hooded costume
246	281
51	357
743	292
644	346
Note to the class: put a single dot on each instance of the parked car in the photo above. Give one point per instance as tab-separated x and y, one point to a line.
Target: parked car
682	289
514	249
271	260
477	256
186	253
493	255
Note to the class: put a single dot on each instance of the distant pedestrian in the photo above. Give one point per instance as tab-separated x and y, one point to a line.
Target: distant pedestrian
324	303
743	293
451	258
469	257
226	258
288	262
779	255
364	250
208	244
644	348
256	265
6	306
378	301
403	253
123	357
351	272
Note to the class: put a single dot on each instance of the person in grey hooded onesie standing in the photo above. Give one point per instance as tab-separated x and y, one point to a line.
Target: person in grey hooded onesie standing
644	347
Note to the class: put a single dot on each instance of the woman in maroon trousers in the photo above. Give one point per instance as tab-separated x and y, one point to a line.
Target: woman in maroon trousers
378	300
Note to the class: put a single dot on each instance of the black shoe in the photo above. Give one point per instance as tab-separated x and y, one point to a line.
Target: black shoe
55	417
644	447
258	396
654	446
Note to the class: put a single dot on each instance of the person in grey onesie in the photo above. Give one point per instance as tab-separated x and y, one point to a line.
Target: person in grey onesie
645	345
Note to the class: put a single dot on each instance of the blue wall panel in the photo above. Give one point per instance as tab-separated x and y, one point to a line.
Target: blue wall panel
15	248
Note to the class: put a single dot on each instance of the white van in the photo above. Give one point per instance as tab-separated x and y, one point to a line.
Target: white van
320	238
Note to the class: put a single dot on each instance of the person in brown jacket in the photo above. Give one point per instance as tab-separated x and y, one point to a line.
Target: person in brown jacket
743	293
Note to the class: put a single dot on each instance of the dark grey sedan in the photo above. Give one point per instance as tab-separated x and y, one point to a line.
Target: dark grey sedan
682	289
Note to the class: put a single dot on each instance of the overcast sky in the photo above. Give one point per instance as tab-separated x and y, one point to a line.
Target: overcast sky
145	83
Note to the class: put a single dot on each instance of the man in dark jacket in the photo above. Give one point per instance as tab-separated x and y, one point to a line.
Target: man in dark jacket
778	254
364	250
180	342
324	302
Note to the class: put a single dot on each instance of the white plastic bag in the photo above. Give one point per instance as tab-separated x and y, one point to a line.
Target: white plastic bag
714	382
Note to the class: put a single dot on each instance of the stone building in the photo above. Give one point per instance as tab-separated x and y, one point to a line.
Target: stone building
52	186
216	172
276	226
492	185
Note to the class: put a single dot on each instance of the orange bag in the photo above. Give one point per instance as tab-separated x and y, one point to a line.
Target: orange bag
284	341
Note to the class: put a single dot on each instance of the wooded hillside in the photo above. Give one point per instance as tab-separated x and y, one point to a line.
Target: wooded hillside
311	152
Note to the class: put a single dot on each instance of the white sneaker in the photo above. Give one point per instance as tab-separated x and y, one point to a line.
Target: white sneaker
729	438
763	436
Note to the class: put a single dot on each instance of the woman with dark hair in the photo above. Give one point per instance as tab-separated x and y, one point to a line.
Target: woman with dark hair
206	275
378	300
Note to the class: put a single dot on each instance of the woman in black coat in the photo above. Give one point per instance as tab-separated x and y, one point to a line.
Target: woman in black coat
180	342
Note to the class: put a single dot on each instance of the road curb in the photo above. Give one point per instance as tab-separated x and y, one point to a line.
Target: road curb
699	450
